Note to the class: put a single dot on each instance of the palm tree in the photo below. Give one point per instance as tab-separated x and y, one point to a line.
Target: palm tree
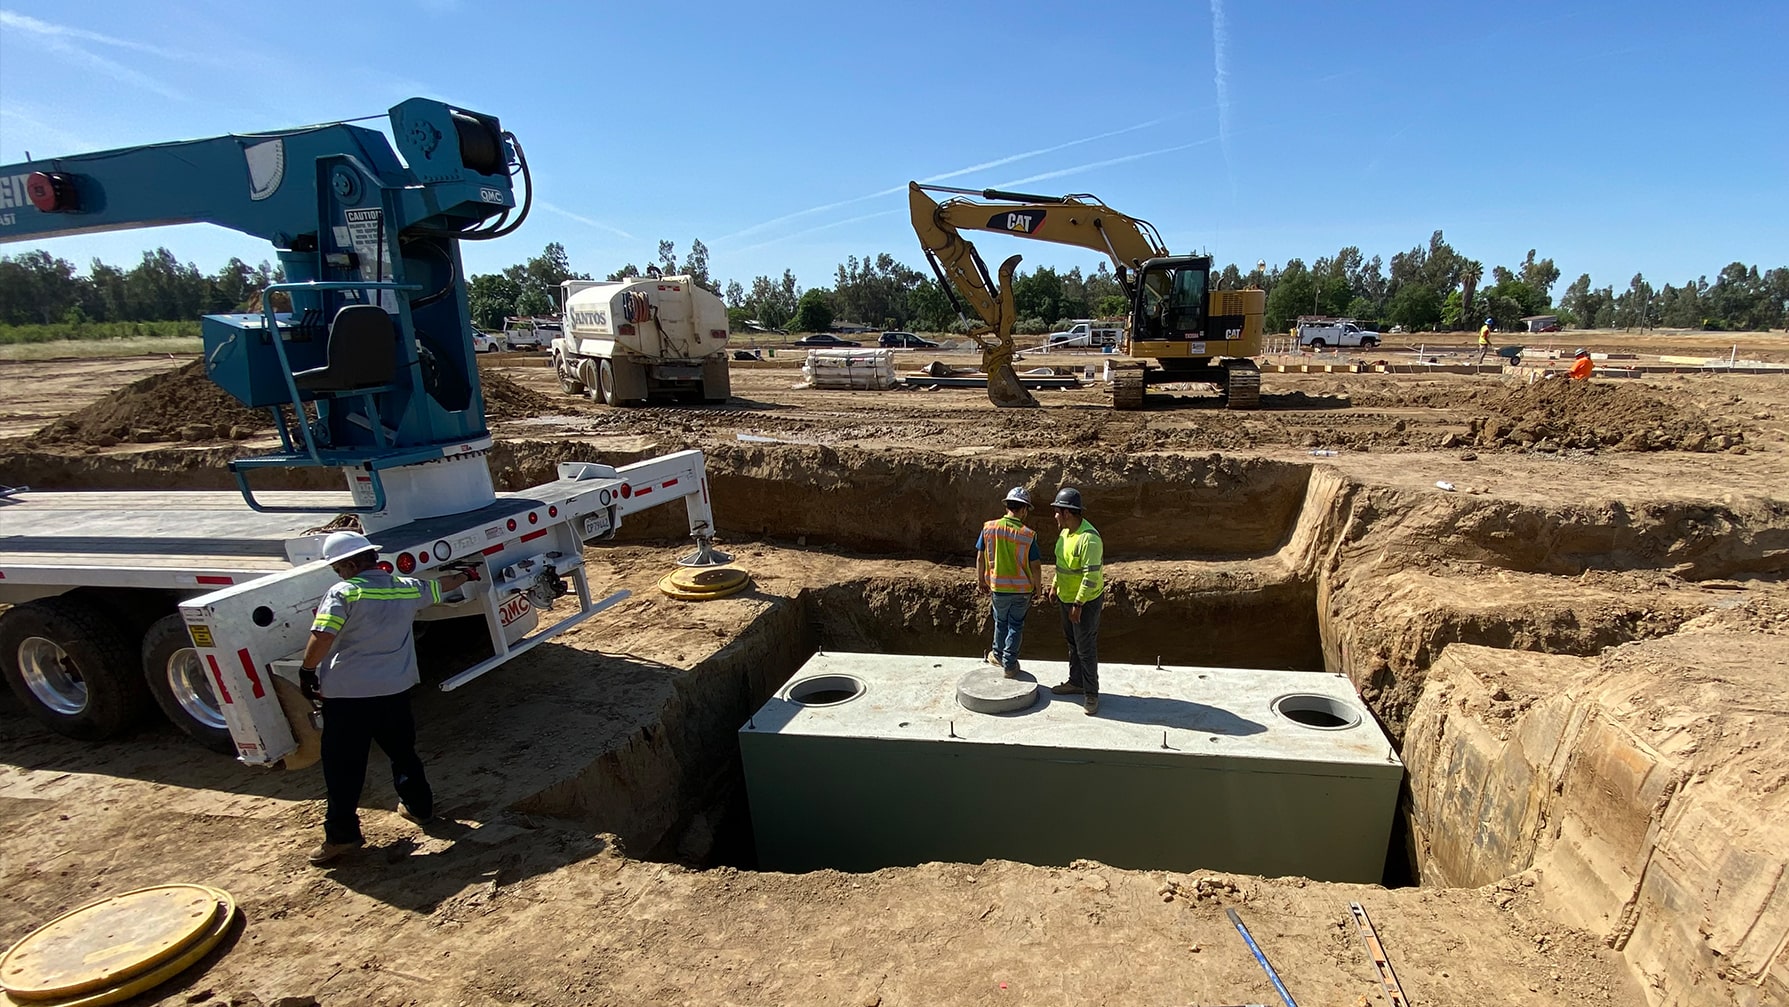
1470	274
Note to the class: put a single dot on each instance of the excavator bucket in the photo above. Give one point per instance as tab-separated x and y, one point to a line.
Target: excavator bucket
1004	387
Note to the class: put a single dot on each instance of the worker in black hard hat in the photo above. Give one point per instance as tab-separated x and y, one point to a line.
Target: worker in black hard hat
1079	589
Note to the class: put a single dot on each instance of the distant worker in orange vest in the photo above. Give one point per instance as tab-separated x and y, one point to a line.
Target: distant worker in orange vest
1582	368
1009	566
1484	340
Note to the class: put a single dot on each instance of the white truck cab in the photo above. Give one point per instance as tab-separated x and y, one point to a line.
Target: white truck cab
1084	333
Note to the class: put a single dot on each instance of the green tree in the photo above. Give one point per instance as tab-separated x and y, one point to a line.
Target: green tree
928	309
491	297
1038	294
814	312
696	265
735	295
627	272
1416	307
1293	293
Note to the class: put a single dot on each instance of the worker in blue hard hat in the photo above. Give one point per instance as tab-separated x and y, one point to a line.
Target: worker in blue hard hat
1009	566
359	666
1079	589
1484	339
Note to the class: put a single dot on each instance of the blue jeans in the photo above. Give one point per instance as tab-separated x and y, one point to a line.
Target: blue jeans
1009	625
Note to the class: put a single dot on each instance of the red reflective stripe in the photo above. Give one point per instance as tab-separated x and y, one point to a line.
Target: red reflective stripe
642	491
218	674
248	668
668	483
493	550
534	535
207	579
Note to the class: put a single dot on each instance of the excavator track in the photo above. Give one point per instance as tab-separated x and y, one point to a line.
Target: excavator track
1128	386
1242	384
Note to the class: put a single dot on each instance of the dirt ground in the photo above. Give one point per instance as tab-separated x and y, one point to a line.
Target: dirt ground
568	864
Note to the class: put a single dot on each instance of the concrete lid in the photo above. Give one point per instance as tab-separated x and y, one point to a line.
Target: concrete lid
1195	712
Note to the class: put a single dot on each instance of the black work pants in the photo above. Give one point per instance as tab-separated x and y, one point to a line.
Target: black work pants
350	726
1083	645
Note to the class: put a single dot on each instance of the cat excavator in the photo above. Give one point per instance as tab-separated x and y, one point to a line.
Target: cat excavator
1192	333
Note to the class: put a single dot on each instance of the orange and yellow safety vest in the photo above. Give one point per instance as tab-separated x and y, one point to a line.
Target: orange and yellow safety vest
1011	549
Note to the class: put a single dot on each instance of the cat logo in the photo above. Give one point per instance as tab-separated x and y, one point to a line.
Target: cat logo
1023	223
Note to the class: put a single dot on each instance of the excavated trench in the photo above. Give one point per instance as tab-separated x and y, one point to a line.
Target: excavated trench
1215	560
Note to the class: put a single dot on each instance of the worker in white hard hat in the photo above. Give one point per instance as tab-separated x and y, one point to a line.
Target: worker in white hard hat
1009	566
1582	368
1080	590
360	666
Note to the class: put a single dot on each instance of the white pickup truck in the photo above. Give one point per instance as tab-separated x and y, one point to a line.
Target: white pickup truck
1083	333
1321	334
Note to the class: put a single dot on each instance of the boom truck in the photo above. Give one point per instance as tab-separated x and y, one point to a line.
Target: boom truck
1189	331
625	342
201	601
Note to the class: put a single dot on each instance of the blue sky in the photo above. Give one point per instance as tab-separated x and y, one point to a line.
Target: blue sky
1615	137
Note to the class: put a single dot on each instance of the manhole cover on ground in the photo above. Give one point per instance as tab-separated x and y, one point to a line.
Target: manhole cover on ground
699	585
103	943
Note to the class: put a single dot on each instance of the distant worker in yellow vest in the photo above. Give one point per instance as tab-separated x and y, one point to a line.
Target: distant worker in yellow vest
1080	590
1582	368
1009	566
1484	340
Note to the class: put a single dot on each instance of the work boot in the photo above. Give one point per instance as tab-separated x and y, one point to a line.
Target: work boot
407	815
994	658
328	851
1092	704
1013	672
1067	689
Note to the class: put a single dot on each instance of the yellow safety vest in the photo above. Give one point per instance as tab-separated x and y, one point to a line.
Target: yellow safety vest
1080	564
1008	544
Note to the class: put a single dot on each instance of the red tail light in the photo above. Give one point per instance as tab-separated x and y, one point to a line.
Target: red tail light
512	524
385	566
406	562
717	333
626	491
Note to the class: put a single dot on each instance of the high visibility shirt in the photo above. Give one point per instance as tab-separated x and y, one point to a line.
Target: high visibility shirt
1582	368
1005	540
1484	335
1080	562
370	615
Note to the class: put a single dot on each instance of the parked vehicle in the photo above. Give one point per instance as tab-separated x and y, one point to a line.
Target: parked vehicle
905	341
487	342
1084	332
1321	333
825	339
529	333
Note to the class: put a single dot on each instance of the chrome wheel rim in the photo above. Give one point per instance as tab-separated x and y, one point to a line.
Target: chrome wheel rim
51	676
192	689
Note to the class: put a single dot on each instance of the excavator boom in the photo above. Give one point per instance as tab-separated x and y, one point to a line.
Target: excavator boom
1175	318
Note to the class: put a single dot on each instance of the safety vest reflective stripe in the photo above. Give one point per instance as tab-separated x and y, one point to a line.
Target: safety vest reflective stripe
327	623
1008	545
382	593
1079	568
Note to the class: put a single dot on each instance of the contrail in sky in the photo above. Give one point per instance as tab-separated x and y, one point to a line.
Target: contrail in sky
1220	53
820	227
599	225
1108	162
60	39
983	166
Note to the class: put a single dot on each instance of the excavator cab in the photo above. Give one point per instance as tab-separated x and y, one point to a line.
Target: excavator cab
1171	299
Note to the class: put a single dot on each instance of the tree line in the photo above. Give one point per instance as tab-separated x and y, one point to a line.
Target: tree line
1430	287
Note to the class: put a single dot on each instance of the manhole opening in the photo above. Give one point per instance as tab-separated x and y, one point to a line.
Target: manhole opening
825	690
1321	712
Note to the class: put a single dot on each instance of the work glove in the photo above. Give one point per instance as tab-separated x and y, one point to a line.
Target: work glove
308	684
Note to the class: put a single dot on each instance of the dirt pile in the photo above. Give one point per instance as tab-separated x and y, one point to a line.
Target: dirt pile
177	405
1558	415
506	400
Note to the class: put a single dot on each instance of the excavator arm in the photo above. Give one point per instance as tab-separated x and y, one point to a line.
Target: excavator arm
1175	319
1065	220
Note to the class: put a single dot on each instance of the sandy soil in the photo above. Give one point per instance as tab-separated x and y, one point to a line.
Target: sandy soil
554	878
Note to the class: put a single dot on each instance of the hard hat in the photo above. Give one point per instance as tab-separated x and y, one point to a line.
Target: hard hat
1582	352
1068	497
1488	321
1017	495
342	544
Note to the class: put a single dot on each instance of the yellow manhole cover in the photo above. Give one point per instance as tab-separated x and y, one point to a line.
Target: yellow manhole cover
709	580
702	585
167	970
104	943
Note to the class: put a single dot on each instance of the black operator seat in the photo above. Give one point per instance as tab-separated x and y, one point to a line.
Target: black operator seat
363	352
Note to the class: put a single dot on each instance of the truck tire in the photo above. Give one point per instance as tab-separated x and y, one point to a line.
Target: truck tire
1370	343
1318	345
180	686
606	382
567	383
72	668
